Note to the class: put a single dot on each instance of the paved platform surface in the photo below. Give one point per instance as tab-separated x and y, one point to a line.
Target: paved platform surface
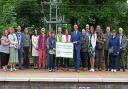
62	76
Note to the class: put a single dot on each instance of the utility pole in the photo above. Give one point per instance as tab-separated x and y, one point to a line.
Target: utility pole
57	12
50	14
58	19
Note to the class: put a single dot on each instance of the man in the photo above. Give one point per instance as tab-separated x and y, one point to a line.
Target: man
122	53
20	38
59	60
26	48
99	49
87	29
42	44
107	36
84	50
76	38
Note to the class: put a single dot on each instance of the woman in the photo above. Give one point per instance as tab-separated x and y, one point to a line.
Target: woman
114	47
51	52
84	50
35	55
13	49
26	48
92	45
66	38
42	45
5	50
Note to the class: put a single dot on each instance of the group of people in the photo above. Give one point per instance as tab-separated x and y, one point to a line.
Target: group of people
93	49
13	45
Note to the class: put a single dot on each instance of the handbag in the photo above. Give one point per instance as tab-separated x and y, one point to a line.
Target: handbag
111	50
51	51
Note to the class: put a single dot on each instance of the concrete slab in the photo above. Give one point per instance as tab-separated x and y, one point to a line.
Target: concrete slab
61	76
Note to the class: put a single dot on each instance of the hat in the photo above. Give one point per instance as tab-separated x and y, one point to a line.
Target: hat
43	29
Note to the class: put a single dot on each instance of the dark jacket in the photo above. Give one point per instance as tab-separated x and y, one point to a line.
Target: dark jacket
100	41
107	37
84	43
52	43
78	39
115	43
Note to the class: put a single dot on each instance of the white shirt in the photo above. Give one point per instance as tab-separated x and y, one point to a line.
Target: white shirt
13	40
64	38
93	40
35	45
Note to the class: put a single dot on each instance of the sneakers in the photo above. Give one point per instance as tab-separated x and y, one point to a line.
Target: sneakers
14	69
11	69
51	70
91	70
4	68
113	70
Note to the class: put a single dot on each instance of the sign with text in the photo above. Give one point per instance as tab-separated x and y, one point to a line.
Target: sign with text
64	50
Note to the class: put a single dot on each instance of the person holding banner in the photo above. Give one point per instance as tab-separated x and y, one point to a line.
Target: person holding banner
59	61
76	38
66	38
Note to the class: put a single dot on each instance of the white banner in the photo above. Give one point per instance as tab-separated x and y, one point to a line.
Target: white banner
64	50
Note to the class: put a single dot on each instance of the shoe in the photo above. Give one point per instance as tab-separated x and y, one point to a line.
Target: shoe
90	70
123	70
14	69
4	69
11	69
93	70
53	70
114	70
50	70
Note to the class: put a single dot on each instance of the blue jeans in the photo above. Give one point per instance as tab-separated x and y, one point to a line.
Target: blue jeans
113	61
20	57
51	61
77	58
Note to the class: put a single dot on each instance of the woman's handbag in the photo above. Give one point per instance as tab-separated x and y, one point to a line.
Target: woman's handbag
111	50
51	51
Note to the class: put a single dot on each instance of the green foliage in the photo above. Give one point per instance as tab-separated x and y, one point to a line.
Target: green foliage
27	13
112	13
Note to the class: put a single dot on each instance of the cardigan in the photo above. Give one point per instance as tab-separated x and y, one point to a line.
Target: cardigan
64	38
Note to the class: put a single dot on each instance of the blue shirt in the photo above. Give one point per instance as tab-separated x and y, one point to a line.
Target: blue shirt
20	38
